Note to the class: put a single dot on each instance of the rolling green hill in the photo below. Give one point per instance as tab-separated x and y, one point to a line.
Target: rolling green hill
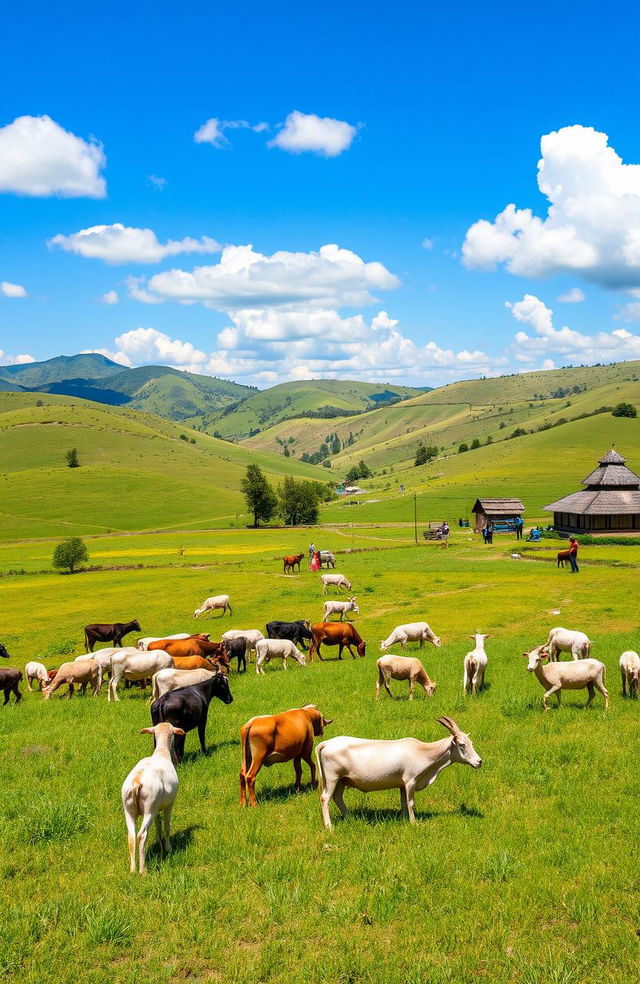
136	472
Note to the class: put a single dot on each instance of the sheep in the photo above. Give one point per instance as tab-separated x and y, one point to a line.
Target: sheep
403	668
149	790
36	671
567	641
475	664
341	608
630	673
334	581
411	632
554	677
169	679
214	604
81	672
267	649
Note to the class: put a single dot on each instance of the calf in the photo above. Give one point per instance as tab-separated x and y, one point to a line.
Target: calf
216	603
407	765
297	632
340	608
9	680
149	791
581	674
272	738
268	649
188	708
108	632
630	673
403	668
411	632
290	563
80	672
36	671
475	664
237	649
562	557
251	635
334	581
132	664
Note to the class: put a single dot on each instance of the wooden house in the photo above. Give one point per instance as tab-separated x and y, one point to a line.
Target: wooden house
501	512
610	503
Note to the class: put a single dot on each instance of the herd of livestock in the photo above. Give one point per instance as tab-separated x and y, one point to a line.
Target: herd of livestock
186	671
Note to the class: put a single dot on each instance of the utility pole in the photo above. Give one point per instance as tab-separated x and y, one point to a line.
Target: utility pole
415	518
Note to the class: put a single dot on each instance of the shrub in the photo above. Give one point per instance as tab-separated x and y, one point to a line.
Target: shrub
72	458
463	447
475	443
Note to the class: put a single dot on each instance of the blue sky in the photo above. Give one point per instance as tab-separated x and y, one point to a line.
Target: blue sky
414	124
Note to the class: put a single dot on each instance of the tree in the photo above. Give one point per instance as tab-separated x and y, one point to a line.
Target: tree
425	454
72	458
68	554
475	443
463	447
624	410
298	501
259	496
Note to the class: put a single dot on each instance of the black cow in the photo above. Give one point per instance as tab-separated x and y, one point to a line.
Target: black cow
108	632
9	679
237	649
188	708
296	632
3	652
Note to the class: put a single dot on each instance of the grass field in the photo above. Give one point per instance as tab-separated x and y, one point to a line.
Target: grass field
525	871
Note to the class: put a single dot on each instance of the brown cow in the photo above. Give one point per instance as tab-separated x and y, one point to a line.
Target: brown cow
291	562
108	632
341	634
271	738
201	663
562	556
189	647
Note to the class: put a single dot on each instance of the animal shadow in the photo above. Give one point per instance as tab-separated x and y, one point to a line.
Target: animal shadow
279	794
181	841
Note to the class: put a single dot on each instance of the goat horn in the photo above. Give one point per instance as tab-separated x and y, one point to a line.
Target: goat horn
450	725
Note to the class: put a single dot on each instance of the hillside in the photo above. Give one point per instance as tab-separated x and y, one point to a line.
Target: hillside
136	471
325	399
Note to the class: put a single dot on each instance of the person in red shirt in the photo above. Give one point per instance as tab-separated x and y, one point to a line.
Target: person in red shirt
573	555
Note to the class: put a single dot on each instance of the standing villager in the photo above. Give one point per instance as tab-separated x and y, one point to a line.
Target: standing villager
573	555
489	532
312	550
519	523
315	561
484	535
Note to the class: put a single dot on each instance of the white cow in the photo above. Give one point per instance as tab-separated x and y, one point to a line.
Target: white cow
341	608
630	673
579	674
334	581
36	671
251	635
411	632
406	764
268	649
213	604
135	665
475	664
567	641
165	680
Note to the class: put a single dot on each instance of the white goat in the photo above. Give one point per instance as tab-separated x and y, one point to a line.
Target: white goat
214	604
403	668
268	649
406	764
334	581
630	673
135	665
567	641
411	632
36	671
475	664
150	790
165	680
341	608
577	675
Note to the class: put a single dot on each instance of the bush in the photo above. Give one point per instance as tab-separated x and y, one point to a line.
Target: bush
475	443
69	554
624	410
463	447
72	458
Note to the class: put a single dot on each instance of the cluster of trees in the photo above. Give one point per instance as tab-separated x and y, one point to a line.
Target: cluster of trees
425	454
294	501
331	445
361	470
624	410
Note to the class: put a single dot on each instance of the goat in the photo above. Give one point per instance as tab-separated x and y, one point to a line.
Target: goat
475	664
630	673
411	632
36	671
577	675
403	668
340	608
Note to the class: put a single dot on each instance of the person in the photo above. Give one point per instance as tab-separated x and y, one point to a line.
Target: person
519	523
484	534
573	555
312	550
489	532
315	561
443	531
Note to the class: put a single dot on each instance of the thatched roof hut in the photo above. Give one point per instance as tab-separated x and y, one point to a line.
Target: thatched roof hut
502	511
609	503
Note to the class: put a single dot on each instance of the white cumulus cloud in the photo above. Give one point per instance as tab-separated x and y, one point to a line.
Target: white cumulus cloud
148	344
319	134
118	243
120	357
12	290
111	297
572	296
592	225
15	360
39	158
212	131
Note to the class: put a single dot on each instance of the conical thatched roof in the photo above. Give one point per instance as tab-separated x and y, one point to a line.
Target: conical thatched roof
612	474
612	490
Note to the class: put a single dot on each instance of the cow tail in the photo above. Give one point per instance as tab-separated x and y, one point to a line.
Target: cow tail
246	751
319	763
86	641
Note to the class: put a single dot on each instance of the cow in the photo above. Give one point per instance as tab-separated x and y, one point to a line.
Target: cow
341	634
251	636
562	557
296	632
108	632
291	562
181	648
188	708
144	643
237	649
9	679
78	673
271	738
201	663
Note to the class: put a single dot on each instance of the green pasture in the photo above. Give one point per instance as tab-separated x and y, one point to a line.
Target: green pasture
525	871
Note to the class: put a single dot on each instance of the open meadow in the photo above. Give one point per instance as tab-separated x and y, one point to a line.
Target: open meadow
524	871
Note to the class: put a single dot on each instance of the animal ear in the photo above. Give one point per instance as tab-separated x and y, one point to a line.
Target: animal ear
526	655
179	731
148	731
326	721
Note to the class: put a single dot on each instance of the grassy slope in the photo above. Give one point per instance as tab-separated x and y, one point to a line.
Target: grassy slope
516	873
135	471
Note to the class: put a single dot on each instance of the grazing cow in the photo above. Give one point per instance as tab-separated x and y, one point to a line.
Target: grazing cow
150	790
271	738
268	649
144	643
251	635
411	632
135	665
80	672
403	668
188	647
630	673
237	649
475	665
340	608
406	764
213	604
36	671
201	663
327	559
562	558
297	632
563	675
341	634
291	562
9	680
171	679
334	581
108	632
188	708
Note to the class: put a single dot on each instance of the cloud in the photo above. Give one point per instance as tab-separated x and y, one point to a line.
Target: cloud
572	296
15	360
120	357
428	243
592	225
111	297
332	277
39	158
148	345
629	312
212	131
12	290
158	183
573	346
118	243
321	135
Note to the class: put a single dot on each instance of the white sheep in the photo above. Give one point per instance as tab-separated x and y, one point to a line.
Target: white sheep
268	649
36	671
340	608
213	604
576	675
475	664
150	790
411	632
403	668
334	581
567	641
630	673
